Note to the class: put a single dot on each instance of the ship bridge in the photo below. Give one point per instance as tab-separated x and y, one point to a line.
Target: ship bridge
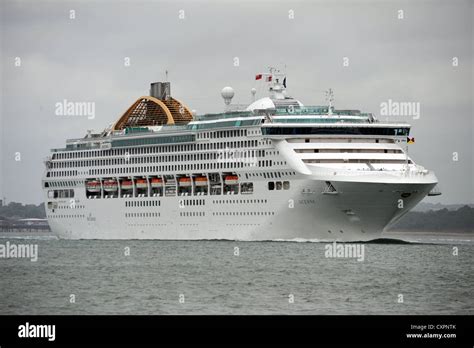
155	110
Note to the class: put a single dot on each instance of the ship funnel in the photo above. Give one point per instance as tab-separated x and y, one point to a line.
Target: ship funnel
160	90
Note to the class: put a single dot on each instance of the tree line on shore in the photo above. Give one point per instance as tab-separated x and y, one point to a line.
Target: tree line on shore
459	220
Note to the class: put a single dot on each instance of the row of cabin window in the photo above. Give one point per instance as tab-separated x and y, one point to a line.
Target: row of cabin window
166	168
154	149
269	175
127	159
66	216
155	159
191	202
62	173
223	134
244	213
71	206
151	214
62	183
192	213
241	201
142	203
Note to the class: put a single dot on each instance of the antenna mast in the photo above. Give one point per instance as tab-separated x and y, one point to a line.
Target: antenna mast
330	100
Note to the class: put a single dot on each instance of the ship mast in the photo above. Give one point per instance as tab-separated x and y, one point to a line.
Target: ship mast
330	100
276	88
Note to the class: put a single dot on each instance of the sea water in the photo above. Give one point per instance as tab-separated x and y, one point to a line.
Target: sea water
433	274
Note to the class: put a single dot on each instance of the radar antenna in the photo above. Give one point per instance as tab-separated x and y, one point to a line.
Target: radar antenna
275	78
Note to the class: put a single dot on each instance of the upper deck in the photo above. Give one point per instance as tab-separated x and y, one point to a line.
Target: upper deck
161	119
289	118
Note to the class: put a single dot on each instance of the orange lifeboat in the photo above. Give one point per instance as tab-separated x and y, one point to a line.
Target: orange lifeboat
127	185
93	186
110	185
156	182
231	180
200	181
141	184
185	182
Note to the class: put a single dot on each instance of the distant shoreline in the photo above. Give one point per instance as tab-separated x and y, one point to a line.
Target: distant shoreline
450	231
423	233
460	220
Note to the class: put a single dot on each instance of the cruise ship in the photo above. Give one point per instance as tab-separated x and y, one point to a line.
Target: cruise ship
274	169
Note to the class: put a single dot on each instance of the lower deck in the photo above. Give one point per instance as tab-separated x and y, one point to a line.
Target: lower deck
309	209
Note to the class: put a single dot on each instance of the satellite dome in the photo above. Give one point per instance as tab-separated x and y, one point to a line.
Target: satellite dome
263	103
269	103
227	93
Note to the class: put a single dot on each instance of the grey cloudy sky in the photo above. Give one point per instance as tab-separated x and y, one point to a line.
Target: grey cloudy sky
83	60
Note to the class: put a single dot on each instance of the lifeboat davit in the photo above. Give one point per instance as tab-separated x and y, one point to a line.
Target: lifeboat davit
231	180
127	185
110	185
93	186
200	181
156	182
184	182
141	184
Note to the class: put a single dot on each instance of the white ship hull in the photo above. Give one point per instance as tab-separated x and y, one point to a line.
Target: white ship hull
358	212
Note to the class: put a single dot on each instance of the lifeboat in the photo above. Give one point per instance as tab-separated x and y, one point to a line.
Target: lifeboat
156	182
110	185
231	180
200	181
93	186
127	185
141	184
184	182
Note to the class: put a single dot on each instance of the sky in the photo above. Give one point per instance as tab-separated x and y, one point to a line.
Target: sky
403	51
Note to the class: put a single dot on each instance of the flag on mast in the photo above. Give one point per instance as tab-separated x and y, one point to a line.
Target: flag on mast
410	140
258	77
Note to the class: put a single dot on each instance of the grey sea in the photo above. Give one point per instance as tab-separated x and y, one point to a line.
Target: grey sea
432	274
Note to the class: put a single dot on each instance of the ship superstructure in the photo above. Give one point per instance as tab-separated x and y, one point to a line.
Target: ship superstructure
275	170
